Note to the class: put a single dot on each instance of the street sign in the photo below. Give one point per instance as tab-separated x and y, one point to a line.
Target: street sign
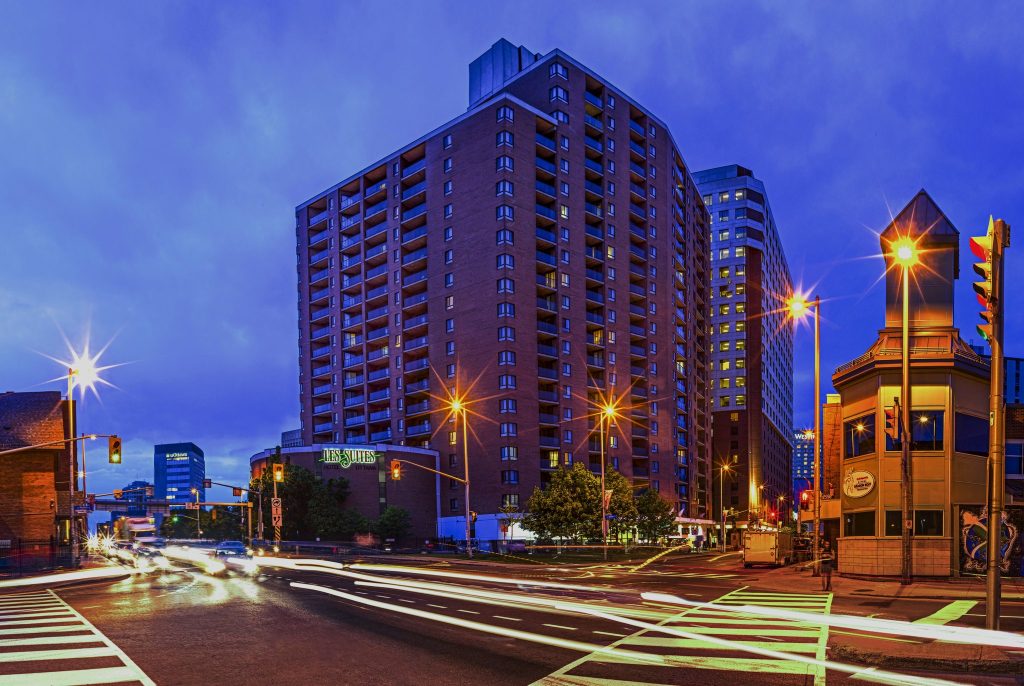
191	506
275	519
82	509
275	511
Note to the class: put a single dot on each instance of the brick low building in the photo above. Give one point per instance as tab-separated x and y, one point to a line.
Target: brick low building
35	504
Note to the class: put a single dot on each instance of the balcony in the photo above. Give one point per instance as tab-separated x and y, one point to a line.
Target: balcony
414	322
593	166
637	210
637	148
417	408
547	418
595	360
593	144
547	327
416	365
350	260
351	381
374	230
417	386
545	235
376	312
354	400
546	142
319	295
374	189
414	256
377	354
414	343
548	441
593	122
595	318
379	436
319	276
347	222
594	296
351	360
549	167
376	250
414	212
414	300
414	190
637	331
638	169
382	394
319	238
321	351
375	209
593	187
547	350
548	304
348	241
415	278
594	100
547	373
317	218
593	209
637	251
320	333
319	257
322	428
636	128
637	190
416	166
547	212
320	314
594	252
409	236
376	292
348	201
547	396
377	333
321	408
418	429
546	258
594	274
355	420
638	231
321	390
545	188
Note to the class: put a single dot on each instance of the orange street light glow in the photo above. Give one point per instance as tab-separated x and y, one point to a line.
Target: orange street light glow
798	306
904	251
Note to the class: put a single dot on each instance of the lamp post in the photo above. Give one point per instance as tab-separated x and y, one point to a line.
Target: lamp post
798	308
458	408
608	412
721	503
904	253
199	523
72	478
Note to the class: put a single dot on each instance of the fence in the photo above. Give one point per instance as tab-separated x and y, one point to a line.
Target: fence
20	556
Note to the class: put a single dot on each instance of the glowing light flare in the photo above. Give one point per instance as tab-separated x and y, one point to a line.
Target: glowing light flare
893	627
568	644
868	673
798	306
83	367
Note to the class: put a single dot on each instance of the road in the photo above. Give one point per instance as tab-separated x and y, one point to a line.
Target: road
458	623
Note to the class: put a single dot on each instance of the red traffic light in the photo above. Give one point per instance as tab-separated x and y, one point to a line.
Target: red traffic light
396	470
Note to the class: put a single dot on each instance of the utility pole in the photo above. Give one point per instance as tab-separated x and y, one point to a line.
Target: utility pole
906	474
989	249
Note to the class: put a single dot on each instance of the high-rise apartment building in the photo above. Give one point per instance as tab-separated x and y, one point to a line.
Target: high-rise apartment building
752	342
177	469
542	251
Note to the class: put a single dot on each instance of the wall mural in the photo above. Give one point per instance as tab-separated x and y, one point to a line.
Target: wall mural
974	538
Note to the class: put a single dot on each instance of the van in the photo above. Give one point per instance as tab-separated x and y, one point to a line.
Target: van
767	546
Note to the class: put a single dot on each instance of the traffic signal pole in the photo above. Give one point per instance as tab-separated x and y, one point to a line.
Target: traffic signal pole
999	238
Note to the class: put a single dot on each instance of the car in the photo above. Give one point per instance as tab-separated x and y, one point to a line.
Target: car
147	558
231	549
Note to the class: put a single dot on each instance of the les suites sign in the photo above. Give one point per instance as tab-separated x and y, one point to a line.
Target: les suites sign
345	456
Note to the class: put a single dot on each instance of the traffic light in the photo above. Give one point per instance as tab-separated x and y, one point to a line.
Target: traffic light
149	491
207	483
213	514
174	519
981	246
892	421
118	493
114	449
396	470
278	472
236	492
805	500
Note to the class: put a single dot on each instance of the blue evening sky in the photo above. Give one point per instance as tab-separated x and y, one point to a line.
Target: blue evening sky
152	153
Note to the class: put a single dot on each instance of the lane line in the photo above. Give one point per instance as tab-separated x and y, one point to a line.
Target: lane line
469	612
609	633
559	626
511	619
952	612
440	607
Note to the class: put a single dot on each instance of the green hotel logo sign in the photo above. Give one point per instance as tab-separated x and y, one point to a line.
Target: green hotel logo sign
345	456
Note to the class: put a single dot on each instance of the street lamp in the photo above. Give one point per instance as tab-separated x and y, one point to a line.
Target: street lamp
609	412
799	307
457	407
904	253
721	502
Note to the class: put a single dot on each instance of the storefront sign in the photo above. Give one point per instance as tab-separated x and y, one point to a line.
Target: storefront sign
345	456
858	484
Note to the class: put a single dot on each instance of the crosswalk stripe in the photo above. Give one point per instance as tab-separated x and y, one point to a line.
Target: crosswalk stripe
952	612
77	677
42	629
667	642
69	654
45	640
32	612
49	620
34	619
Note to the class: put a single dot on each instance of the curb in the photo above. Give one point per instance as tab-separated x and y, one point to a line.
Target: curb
1004	665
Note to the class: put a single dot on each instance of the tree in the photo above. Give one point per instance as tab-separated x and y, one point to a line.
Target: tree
324	517
310	507
394	523
655	516
622	505
352	523
569	508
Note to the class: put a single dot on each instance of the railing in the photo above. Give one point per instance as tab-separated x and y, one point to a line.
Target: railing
593	209
415	278
414	212
593	143
548	304
593	187
414	167
319	237
322	255
382	394
414	234
593	166
595	231
375	188
320	333
546	259
349	201
546	166
374	209
594	274
594	100
545	187
636	128
317	218
546	142
547	212
546	235
415	255
637	148
414	189
593	121
317	276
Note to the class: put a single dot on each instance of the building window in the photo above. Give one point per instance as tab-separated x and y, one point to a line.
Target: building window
506	381
505	113
504	237
503	187
447	187
446	142
558	93
508	428
859	523
449	302
506	285
449	280
506	333
450	371
448	211
509	476
504	212
453	504
449	325
558	69
560	116
507	406
506	358
504	138
506	261
449	256
971	436
503	163
506	310
860	435
567	436
453	437
510	500
448	233
509	452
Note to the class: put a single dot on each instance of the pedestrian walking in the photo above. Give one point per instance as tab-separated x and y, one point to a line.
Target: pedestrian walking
827	561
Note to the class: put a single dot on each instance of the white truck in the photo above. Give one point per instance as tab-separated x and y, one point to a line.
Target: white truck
767	546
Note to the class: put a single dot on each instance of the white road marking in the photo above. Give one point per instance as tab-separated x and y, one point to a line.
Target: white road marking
559	626
440	607
406	600
511	619
469	612
609	633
